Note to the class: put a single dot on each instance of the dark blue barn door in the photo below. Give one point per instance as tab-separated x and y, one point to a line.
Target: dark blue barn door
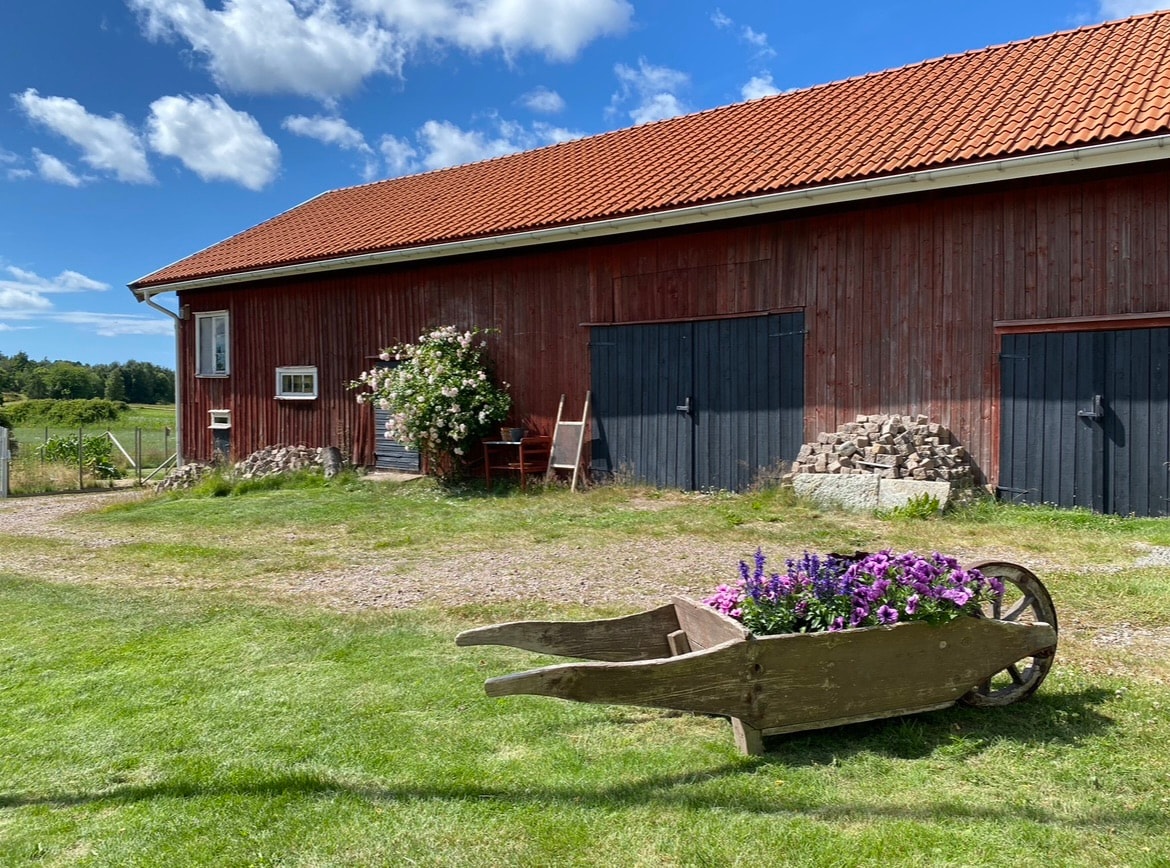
1085	420
698	405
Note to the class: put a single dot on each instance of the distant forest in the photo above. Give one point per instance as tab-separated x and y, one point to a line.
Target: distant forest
133	382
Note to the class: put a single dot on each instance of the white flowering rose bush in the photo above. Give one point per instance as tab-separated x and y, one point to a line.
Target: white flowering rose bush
440	396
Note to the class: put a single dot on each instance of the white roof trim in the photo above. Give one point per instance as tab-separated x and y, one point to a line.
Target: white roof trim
1010	168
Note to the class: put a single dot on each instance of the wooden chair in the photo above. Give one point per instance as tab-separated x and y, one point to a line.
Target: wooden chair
526	456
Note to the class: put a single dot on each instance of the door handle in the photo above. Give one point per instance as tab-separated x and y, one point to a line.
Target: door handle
686	407
1097	411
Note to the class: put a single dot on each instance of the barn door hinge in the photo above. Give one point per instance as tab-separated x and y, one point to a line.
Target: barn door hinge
788	334
1097	411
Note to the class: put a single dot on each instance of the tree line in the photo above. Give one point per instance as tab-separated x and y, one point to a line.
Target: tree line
132	382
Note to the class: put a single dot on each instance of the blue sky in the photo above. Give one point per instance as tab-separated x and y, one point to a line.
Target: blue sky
136	132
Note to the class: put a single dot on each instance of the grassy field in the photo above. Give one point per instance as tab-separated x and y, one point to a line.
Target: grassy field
166	701
146	432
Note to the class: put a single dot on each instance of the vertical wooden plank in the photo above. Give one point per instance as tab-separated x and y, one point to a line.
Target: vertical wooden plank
1159	423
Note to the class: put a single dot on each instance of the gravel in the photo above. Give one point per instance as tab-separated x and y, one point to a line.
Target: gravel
626	577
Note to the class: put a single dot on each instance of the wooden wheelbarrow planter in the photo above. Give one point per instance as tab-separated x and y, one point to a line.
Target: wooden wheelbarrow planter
689	657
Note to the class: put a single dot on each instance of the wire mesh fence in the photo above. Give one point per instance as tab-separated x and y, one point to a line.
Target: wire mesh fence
46	459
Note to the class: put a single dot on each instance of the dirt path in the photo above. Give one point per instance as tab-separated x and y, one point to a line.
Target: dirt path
626	576
41	516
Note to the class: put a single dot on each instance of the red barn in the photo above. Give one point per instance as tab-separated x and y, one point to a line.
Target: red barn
983	239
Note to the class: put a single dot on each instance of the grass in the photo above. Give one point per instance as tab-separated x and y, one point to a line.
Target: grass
161	702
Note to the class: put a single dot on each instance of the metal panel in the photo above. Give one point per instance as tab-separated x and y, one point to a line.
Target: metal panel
4	462
705	405
641	375
1086	420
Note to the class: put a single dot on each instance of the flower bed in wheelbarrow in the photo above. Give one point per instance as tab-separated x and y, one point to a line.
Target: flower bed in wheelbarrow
830	640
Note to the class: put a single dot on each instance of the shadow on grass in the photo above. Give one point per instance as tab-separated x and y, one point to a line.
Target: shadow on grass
684	791
1046	718
957	733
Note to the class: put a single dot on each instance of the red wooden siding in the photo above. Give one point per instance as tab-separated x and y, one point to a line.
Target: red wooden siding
900	301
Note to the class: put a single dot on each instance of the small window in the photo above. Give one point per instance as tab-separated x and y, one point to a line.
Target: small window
220	419
211	344
298	383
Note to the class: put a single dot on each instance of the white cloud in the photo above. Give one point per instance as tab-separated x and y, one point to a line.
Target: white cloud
758	86
326	48
748	34
213	140
558	29
109	325
759	40
107	144
55	171
1125	8
399	154
66	281
441	144
653	89
329	130
445	144
308	47
24	293
8	158
547	134
543	100
335	131
18	302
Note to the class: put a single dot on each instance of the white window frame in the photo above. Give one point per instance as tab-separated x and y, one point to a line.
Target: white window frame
297	371
213	367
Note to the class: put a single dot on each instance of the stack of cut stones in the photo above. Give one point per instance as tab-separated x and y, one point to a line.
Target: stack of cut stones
278	459
892	447
266	462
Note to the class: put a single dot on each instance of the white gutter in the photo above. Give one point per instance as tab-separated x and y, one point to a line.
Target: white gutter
1009	168
178	319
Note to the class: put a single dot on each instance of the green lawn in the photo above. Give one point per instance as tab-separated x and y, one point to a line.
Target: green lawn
163	703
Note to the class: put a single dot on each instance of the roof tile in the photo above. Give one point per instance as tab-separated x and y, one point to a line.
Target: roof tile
1096	84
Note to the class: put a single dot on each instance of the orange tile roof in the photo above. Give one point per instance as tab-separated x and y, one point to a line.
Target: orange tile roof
1092	85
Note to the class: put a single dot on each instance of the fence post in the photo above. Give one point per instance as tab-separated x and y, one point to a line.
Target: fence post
4	459
81	459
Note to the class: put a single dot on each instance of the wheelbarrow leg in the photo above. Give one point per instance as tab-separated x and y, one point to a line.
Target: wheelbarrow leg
748	739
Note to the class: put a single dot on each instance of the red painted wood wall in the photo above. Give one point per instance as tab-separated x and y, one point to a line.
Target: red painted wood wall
900	302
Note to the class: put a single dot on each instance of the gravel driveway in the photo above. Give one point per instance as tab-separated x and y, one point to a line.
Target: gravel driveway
626	576
562	572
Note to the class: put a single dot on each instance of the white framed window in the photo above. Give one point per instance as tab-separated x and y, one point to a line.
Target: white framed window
298	383
220	419
212	352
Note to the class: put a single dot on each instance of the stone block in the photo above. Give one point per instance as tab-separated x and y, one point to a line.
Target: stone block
853	493
898	492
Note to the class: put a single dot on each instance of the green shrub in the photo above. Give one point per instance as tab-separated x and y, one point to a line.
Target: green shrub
918	508
70	413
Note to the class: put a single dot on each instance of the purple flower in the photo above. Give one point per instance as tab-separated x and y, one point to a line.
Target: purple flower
912	604
887	615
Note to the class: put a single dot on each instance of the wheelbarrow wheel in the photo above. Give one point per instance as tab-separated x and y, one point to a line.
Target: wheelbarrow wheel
1025	600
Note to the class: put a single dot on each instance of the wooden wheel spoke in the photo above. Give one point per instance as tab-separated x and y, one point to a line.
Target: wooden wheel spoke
1025	599
1022	605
